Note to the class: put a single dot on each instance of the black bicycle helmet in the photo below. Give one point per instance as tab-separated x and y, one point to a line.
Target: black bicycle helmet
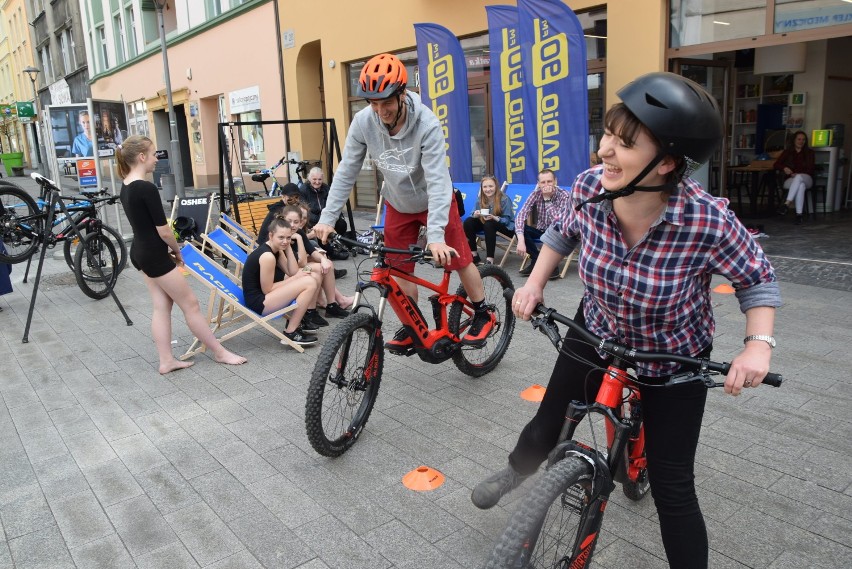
678	112
186	228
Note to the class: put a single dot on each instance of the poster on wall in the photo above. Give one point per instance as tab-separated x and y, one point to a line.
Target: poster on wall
110	125
71	132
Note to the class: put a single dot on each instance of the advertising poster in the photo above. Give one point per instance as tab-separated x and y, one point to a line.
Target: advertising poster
110	125
71	132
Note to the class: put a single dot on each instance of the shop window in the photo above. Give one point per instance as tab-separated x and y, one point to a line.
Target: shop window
695	22
137	118
794	15
252	149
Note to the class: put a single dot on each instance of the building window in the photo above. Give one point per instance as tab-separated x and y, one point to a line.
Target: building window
118	32
137	118
102	41
47	69
703	21
213	8
130	20
66	44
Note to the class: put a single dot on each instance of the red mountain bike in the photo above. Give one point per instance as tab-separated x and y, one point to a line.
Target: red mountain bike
558	521
348	372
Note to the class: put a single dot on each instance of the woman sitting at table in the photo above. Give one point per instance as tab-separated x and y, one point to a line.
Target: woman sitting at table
797	164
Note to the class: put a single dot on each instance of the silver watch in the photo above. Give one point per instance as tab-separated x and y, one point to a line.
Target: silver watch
763	338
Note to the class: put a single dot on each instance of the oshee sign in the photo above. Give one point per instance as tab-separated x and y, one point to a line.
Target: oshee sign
445	92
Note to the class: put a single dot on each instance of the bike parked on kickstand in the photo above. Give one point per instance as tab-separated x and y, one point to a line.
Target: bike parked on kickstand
346	378
558	522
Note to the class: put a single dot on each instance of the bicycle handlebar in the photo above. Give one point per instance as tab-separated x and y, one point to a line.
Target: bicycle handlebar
49	184
550	315
417	254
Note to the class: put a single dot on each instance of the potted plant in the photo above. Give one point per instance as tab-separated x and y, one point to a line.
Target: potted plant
14	161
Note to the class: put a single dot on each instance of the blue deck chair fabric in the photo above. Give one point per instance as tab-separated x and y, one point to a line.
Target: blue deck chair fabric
247	240
217	280
227	245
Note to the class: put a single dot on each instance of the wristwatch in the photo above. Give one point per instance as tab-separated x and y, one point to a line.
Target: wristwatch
762	337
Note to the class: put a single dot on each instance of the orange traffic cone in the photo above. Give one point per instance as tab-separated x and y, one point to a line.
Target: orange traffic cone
534	393
423	479
724	288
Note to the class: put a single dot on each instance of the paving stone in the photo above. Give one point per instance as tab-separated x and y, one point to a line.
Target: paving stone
141	527
30	417
241	560
60	477
225	494
112	482
187	456
203	533
243	463
40	550
208	431
171	556
72	420
270	542
137	453
105	553
168	490
340	547
81	519
25	511
43	444
405	548
89	448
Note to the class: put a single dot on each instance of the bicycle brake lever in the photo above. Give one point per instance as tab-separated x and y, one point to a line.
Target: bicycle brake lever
548	328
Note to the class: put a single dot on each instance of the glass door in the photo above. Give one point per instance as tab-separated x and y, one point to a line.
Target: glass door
481	152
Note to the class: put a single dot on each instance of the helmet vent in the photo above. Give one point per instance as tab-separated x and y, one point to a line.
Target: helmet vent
653	101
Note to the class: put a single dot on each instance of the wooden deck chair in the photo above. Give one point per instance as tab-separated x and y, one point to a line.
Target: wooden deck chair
219	282
198	208
562	272
245	239
222	243
251	214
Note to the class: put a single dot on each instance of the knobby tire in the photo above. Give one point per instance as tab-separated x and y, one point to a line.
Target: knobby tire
344	384
70	250
543	530
21	223
479	360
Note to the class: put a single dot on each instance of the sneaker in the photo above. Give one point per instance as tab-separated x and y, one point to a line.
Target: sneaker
527	270
338	253
299	338
488	492
312	316
799	219
554	275
308	327
477	260
339	273
401	341
333	310
480	327
782	209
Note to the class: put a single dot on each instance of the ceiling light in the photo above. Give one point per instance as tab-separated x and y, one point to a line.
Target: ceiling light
721	23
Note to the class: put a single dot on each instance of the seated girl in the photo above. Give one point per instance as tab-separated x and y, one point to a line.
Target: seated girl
494	213
265	287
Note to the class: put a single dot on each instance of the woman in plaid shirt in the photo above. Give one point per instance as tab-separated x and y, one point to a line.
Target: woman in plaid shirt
646	261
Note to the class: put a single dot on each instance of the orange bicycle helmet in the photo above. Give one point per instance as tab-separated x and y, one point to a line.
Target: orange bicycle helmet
382	77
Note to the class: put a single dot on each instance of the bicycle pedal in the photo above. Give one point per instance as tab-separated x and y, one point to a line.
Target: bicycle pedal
409	351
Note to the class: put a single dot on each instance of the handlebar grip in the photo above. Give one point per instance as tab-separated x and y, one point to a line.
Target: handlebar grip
773	379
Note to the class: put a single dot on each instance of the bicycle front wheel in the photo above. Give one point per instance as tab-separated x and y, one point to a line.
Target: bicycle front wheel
543	532
344	384
476	361
71	242
20	224
96	266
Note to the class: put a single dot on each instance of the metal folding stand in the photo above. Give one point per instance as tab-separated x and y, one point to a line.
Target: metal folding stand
56	200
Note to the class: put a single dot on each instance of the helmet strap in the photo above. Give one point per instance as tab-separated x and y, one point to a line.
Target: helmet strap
400	102
631	187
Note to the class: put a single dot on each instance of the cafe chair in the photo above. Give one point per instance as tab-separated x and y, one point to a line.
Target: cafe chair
815	192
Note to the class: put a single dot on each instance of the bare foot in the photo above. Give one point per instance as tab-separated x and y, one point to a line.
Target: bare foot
345	302
229	358
173	365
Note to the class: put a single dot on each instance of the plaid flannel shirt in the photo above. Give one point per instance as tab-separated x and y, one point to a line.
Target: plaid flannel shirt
549	212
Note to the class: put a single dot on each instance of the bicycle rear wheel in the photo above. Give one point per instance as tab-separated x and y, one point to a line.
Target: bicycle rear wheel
476	361
71	243
96	252
344	384
543	532
21	224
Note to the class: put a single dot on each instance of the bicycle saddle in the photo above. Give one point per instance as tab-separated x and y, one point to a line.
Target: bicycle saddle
260	176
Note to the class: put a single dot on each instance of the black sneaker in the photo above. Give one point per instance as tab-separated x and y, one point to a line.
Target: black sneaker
487	493
333	310
299	338
477	260
799	219
526	271
308	327
312	316
783	209
401	341
480	327
554	275
339	273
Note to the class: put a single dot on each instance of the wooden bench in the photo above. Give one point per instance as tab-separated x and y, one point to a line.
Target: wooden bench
251	214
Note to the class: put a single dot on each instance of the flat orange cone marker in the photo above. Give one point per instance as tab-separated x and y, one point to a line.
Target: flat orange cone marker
724	288
534	393
423	479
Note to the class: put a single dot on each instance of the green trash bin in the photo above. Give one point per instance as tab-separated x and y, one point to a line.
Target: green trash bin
14	162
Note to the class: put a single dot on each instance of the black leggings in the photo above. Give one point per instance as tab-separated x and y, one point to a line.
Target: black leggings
672	418
473	225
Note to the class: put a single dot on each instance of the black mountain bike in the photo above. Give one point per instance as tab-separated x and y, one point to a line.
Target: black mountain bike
558	521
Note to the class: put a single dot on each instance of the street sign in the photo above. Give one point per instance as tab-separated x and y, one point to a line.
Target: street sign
8	110
86	171
25	109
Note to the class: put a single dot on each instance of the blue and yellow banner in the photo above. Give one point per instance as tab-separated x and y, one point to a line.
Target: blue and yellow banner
443	88
555	89
514	132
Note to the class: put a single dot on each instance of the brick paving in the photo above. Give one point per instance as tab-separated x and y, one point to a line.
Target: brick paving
104	463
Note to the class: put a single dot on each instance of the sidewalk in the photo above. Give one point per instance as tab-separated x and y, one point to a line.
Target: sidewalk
104	463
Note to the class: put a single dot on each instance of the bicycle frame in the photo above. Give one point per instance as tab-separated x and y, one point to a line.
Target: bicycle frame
433	345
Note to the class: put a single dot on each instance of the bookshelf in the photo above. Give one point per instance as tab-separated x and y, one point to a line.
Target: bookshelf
751	93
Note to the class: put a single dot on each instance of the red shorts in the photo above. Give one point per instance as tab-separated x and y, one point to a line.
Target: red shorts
402	229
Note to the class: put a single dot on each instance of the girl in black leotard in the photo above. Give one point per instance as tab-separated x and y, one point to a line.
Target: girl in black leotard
156	253
272	279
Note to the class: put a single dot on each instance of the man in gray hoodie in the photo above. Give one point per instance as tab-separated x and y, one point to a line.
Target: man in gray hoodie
406	143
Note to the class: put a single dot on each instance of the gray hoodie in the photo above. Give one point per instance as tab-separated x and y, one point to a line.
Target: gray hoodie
412	161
